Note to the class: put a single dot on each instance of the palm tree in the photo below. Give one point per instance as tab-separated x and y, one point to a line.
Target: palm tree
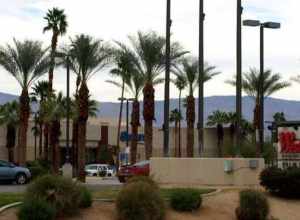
189	72
279	117
149	48
218	119
180	83
231	119
40	92
53	111
272	82
135	86
93	109
176	117
124	61
9	113
57	23
88	56
26	62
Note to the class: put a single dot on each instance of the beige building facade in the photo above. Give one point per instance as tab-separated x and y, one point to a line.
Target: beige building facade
104	131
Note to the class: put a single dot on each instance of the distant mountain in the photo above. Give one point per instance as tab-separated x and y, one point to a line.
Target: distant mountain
4	98
213	103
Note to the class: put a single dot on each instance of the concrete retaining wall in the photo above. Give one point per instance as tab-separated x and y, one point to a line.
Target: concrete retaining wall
205	171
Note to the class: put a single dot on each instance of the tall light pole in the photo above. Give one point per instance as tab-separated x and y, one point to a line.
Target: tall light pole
201	79
239	76
167	81
271	25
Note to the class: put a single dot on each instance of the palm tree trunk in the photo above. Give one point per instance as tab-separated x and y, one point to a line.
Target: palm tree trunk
190	116
40	139
75	147
82	121
176	138
135	123
46	141
119	126
179	125
54	142
148	113
256	123
220	137
10	141
22	136
52	63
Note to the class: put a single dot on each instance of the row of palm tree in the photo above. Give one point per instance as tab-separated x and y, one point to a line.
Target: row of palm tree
138	66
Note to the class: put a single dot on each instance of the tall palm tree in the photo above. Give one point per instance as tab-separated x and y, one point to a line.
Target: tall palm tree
272	82
57	23
53	111
88	56
149	48
124	67
180	83
231	119
93	109
189	71
176	117
9	113
26	61
135	86
218	119
40	92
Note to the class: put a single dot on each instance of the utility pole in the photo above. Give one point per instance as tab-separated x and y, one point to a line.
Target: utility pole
201	80
166	126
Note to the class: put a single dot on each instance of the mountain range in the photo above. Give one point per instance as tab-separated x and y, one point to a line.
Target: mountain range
291	109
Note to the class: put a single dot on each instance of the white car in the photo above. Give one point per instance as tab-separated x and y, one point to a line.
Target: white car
99	170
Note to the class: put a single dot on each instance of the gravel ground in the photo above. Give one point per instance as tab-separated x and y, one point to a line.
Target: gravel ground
217	207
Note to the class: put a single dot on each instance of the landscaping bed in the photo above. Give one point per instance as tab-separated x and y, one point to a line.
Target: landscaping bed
219	207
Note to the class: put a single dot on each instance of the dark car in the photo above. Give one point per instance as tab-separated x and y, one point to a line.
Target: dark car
141	168
11	172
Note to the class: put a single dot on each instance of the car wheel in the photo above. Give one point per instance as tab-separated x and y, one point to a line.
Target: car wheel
95	174
21	179
121	179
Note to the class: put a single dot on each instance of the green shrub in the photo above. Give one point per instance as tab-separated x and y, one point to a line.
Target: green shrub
37	168
185	199
86	199
58	191
253	205
139	200
145	179
36	209
284	183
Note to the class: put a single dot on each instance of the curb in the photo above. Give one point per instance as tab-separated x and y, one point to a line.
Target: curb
3	208
212	193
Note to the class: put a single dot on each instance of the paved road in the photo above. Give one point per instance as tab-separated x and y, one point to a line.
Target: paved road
93	183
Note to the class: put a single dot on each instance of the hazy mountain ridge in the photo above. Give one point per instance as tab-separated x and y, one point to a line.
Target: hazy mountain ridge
213	103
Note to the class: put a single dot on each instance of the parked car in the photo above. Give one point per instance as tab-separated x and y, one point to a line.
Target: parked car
99	170
141	168
11	172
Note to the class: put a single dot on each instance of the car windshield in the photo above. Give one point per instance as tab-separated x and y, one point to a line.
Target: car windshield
91	167
142	163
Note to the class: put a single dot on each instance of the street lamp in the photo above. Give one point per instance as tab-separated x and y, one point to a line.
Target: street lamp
270	25
127	118
167	81
239	76
201	79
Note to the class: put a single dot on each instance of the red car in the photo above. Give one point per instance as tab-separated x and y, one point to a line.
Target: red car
141	168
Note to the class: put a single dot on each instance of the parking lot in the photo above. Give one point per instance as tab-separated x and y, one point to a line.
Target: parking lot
93	183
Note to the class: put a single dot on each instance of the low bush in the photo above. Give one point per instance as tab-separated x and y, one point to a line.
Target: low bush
185	199
253	205
140	200
36	209
58	191
284	183
145	179
86	198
